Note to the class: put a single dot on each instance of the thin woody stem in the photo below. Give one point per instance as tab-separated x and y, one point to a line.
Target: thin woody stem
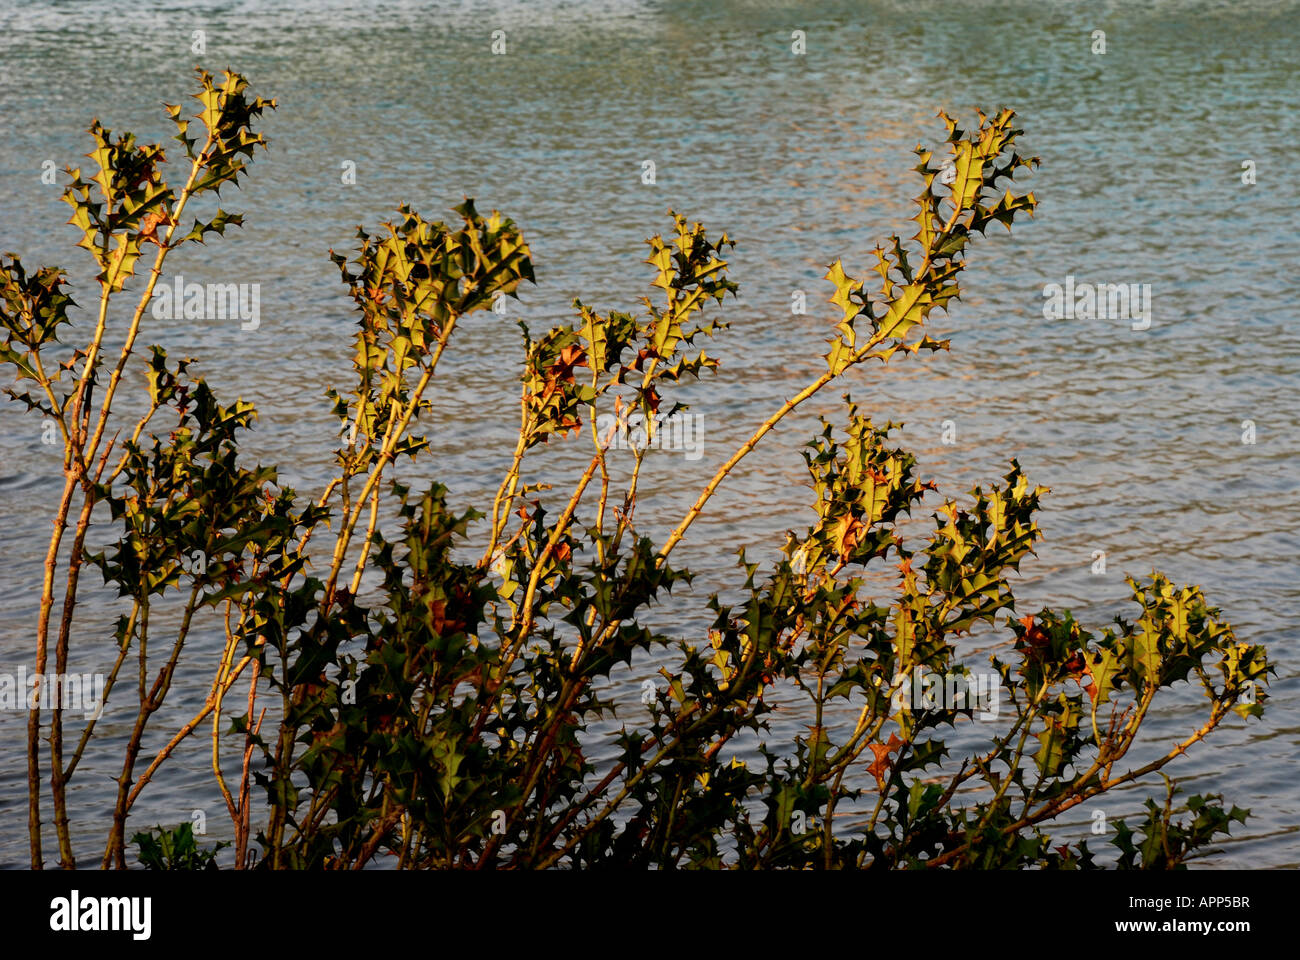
81	454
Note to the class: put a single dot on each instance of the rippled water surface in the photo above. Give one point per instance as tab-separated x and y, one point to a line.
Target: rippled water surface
801	159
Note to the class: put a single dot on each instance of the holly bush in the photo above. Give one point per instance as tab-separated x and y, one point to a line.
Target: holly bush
403	676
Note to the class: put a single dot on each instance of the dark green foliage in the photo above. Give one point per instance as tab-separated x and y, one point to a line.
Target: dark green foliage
163	849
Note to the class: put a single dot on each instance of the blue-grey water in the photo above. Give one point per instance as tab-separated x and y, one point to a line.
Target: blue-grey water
801	159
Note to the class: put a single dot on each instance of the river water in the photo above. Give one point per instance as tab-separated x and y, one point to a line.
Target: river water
801	159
